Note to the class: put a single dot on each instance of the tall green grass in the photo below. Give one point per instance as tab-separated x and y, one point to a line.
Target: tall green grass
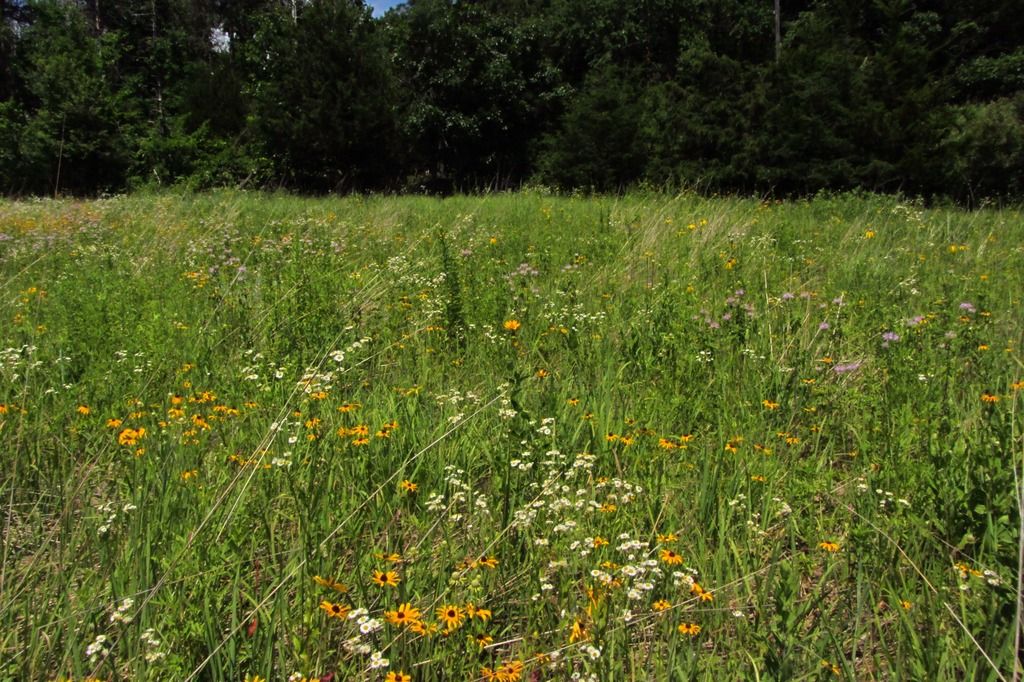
812	406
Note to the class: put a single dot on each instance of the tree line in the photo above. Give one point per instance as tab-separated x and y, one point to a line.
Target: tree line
924	97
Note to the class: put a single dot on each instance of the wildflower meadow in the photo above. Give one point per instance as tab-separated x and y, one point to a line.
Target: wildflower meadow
509	437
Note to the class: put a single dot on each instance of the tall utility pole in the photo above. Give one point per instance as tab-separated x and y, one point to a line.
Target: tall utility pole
778	29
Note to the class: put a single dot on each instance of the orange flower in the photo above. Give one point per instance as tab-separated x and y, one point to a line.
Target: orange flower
334	610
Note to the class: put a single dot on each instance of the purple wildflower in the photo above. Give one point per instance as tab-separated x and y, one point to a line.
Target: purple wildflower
968	307
824	326
846	368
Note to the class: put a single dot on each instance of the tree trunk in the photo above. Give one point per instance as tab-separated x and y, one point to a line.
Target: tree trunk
778	29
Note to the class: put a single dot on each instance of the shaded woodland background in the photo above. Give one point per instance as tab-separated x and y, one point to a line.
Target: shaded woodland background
920	97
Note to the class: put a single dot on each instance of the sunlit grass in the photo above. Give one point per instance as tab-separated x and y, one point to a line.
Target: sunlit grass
508	437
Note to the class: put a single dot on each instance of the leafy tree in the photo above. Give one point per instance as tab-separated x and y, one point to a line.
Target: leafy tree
597	145
323	103
478	90
75	115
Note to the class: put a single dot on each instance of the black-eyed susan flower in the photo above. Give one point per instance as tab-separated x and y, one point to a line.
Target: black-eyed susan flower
406	614
670	557
481	640
397	677
334	610
690	629
408	486
661	605
330	583
386	578
474	611
452	616
486	562
697	590
829	547
131	436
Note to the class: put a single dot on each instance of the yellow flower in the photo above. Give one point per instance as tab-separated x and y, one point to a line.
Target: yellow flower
334	610
834	669
482	640
131	436
769	405
869	234
386	578
573	401
405	614
408	486
989	398
661	605
667	537
670	557
485	562
578	633
452	616
84	410
511	325
509	671
330	583
691	629
474	611
829	547
599	542
696	589
397	677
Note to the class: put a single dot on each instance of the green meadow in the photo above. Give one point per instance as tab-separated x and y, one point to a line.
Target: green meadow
509	437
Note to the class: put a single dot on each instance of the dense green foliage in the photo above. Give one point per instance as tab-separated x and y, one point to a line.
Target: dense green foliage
923	97
794	429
